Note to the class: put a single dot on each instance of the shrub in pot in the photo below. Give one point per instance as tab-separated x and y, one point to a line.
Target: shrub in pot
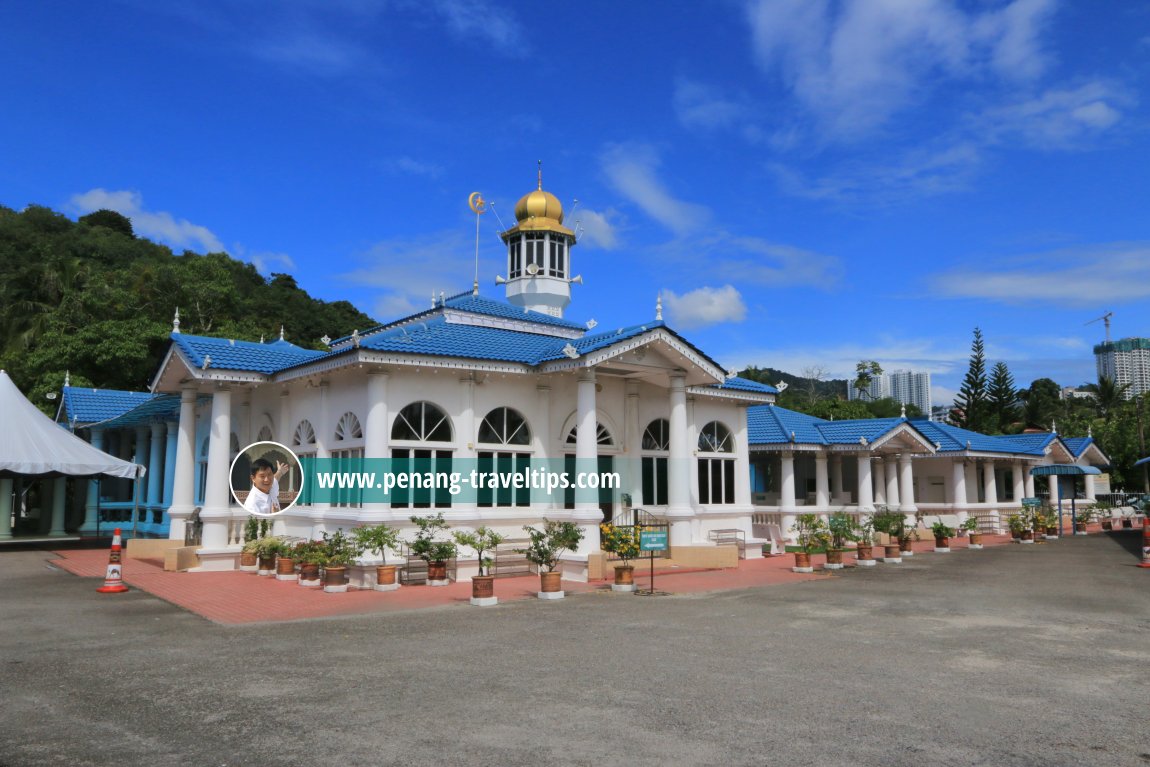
1084	518
864	538
310	556
340	551
623	542
546	547
378	539
811	535
970	527
429	546
482	540
266	551
842	529
942	535
893	525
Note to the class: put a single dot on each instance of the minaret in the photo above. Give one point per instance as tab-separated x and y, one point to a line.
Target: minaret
539	254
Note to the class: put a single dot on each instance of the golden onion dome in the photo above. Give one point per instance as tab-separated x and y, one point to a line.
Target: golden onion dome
538	204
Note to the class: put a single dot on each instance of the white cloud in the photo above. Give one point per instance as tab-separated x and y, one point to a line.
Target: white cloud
701	106
631	170
854	64
311	50
479	20
412	167
758	261
704	306
1058	118
1081	276
155	225
598	229
409	270
266	263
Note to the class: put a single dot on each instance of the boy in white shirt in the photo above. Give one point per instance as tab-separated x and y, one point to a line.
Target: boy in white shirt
263	498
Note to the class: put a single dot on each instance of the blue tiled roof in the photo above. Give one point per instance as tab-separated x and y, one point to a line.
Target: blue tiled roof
1077	445
952	438
479	305
1031	442
242	355
745	384
440	338
162	407
770	424
93	405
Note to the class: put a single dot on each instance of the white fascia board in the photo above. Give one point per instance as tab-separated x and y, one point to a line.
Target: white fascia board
391	359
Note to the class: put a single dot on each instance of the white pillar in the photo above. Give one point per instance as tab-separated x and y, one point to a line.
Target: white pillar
587	513
787	483
542	448
1018	475
1029	483
323	438
184	481
906	484
970	473
5	509
742	464
1055	490
468	433
1088	479
878	481
893	497
155	475
284	425
679	510
216	512
959	502
59	493
989	483
865	485
93	503
822	488
632	471
837	479
375	436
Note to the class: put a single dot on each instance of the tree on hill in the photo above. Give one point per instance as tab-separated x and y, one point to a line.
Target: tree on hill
971	403
1002	398
90	298
865	373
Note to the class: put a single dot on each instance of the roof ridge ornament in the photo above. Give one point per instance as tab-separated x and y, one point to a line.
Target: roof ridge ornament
67	378
281	332
176	321
902	415
659	308
570	351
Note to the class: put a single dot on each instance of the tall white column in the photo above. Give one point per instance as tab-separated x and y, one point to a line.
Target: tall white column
632	471
906	484
542	447
184	481
1018	476
1055	490
878	481
587	513
1029	482
679	510
284	425
787	483
989	483
92	505
742	464
5	509
960	503
216	512
893	497
822	486
1088	479
323	440
837	479
375	436
865	485
59	494
468	433
970	473
171	435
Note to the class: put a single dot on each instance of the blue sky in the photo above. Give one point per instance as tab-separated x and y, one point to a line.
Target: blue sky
807	182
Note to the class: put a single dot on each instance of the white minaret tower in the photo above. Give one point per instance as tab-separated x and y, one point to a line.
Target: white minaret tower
539	254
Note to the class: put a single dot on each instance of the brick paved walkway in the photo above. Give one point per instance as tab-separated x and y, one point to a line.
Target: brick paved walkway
238	597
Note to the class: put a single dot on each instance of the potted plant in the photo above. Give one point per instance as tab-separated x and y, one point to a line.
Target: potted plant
310	555
248	560
266	550
1105	512
892	524
908	536
482	540
1084	517
841	528
285	562
435	552
623	542
339	552
1050	525
942	534
864	538
1016	525
970	526
547	545
378	539
811	535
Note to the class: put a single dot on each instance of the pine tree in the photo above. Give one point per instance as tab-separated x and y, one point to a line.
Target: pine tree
972	402
1003	397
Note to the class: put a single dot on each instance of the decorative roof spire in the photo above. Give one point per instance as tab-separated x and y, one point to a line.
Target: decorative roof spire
281	332
540	175
176	321
1053	427
902	414
1089	428
659	308
67	378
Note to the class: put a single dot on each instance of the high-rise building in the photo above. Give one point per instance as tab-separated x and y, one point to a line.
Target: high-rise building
902	385
1126	361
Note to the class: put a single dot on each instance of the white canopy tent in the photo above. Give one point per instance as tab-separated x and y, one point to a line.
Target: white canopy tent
32	445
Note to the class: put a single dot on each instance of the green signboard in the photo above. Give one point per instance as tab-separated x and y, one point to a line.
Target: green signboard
1029	503
652	540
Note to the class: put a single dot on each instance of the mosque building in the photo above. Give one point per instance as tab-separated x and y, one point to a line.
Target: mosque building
474	379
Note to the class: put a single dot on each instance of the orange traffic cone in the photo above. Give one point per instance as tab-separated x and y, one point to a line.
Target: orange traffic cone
114	580
1145	541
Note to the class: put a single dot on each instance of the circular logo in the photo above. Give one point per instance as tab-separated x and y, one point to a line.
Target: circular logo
266	478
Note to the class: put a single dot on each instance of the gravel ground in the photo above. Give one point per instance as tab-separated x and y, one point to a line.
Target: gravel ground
1035	655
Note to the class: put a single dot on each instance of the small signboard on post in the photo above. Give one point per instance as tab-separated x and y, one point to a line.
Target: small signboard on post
1031	503
652	540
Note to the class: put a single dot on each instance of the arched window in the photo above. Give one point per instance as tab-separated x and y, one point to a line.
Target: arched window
304	434
716	438
507	428
265	434
421	422
504	426
602	436
656	444
716	475
348	428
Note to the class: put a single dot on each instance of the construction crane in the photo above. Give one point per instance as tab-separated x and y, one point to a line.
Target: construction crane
1105	318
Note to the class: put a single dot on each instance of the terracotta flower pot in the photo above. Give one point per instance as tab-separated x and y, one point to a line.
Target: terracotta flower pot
802	562
976	539
267	565
941	542
891	551
1028	535
248	559
1079	527
334	575
624	575
1016	535
834	556
550	582
309	571
482	586
1051	531
865	551
436	571
285	566
385	575
1107	523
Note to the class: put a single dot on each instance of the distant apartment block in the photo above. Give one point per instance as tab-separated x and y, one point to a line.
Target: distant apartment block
901	385
1125	362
